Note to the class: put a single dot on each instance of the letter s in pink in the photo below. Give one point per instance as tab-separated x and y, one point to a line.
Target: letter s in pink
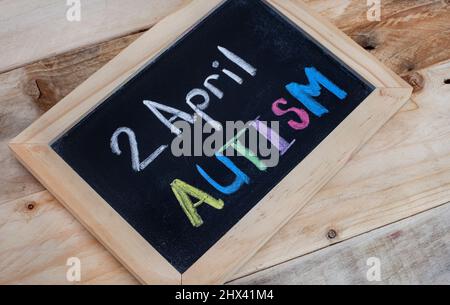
302	114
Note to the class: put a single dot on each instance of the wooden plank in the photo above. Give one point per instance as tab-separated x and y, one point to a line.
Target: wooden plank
403	170
28	92
22	102
31	147
79	198
36	244
30	31
133	251
409	37
413	251
38	236
404	56
33	31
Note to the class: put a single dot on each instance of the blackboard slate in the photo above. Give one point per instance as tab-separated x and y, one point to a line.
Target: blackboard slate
280	51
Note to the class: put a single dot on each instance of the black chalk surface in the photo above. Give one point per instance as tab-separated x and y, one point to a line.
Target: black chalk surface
280	52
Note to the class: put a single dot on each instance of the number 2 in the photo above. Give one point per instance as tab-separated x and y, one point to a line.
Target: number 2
135	161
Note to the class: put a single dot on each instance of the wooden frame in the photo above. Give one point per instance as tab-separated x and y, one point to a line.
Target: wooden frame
32	148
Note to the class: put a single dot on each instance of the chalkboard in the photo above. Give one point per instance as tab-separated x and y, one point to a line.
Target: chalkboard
244	61
280	52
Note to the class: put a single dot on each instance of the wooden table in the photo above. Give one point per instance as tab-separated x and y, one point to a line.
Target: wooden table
389	202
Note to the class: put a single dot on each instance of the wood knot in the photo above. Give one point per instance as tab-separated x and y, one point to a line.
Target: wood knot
368	42
49	94
332	234
43	91
408	66
369	47
30	205
416	80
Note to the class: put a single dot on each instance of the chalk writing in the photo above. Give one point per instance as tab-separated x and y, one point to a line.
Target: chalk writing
241	177
183	191
305	94
135	163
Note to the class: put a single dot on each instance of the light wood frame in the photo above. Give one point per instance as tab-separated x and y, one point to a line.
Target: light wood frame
32	148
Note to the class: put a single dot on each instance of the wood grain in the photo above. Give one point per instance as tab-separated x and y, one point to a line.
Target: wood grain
37	236
35	244
411	35
33	30
413	251
28	92
251	232
403	170
99	218
21	102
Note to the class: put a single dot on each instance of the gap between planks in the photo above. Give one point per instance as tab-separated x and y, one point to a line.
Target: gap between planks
31	90
305	233
26	37
411	251
367	234
33	31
